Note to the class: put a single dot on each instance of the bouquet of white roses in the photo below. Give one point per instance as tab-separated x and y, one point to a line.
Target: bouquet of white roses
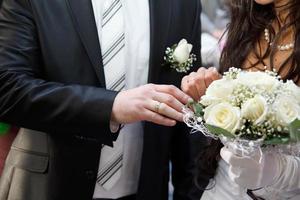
247	107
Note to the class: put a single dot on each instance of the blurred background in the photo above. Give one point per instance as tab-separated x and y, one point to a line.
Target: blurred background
214	19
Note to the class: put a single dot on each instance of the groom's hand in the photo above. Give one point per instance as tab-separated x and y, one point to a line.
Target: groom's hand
160	104
196	83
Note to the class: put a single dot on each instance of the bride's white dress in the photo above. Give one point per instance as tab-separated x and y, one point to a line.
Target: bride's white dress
286	187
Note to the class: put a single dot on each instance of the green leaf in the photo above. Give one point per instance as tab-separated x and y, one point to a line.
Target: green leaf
294	128
198	109
4	128
219	131
174	46
190	103
275	141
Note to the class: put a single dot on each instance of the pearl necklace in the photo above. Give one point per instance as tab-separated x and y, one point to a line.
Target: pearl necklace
285	47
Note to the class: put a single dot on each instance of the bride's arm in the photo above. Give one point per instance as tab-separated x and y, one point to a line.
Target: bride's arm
288	173
270	170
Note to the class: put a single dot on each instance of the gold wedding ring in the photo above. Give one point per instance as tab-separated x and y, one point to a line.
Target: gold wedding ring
157	106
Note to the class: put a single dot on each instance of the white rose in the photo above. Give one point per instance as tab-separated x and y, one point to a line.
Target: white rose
287	110
294	89
258	79
218	91
223	115
255	109
182	51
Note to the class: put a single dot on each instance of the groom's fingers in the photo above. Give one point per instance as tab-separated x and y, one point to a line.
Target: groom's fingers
169	112
169	100
165	110
174	91
158	119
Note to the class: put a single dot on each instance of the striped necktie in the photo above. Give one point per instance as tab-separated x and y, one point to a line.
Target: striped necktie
112	46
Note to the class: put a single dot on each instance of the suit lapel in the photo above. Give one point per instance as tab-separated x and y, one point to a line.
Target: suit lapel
84	21
160	19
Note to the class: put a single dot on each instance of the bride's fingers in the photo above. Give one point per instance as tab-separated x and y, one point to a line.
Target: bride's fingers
184	83
196	83
211	75
189	87
199	81
215	73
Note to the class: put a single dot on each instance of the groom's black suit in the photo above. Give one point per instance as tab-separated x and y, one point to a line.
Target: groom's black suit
52	80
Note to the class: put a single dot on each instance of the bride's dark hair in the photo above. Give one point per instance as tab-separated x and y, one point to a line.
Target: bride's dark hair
248	21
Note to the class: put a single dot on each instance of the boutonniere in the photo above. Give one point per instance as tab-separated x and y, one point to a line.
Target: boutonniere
179	56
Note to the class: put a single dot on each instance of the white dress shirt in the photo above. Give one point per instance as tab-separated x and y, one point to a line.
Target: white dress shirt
137	52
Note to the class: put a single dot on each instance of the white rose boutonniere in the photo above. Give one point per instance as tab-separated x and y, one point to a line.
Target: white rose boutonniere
179	56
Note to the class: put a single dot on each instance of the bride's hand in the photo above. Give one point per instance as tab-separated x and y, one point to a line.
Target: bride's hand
195	84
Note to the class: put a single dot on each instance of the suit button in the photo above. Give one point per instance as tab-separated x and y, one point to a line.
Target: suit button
90	174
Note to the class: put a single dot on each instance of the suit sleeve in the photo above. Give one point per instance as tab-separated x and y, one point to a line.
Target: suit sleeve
29	101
